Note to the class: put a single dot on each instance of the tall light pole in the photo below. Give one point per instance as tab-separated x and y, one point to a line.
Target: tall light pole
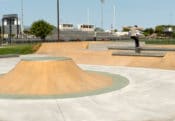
22	16
88	16
114	18
102	2
58	20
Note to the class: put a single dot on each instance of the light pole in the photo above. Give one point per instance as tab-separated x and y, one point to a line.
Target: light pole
102	2
22	16
58	20
114	18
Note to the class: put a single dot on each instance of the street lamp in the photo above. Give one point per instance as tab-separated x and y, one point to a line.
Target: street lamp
22	17
102	2
58	21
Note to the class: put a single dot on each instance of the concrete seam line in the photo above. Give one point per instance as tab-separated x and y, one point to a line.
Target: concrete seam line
59	108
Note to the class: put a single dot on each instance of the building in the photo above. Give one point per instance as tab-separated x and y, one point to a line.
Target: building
86	27
168	31
119	34
66	26
83	32
10	26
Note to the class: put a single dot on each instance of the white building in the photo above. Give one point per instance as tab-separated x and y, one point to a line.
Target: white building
66	26
86	27
121	33
11	25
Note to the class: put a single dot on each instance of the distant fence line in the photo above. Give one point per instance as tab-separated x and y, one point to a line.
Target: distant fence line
85	35
70	36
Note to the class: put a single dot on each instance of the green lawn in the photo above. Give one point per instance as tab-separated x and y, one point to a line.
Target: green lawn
160	41
19	49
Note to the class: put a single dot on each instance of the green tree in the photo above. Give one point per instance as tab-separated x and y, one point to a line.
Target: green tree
173	35
148	31
26	31
126	29
98	29
159	29
41	29
163	30
115	30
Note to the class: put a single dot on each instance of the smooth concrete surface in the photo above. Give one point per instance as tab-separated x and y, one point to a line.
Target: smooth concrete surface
149	97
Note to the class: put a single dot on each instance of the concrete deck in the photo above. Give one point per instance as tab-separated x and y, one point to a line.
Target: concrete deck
149	97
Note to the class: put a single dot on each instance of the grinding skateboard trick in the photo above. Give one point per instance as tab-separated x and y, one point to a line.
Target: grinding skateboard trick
134	34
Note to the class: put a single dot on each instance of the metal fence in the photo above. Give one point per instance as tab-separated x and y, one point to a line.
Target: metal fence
69	36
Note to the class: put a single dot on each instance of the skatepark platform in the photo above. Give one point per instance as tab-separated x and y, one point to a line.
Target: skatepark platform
147	97
142	48
144	51
142	54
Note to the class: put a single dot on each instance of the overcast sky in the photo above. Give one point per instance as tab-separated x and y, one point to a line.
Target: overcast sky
146	13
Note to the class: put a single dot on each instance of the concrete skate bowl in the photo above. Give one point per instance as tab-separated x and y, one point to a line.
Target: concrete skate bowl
55	77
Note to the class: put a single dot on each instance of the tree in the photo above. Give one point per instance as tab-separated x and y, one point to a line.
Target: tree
165	30
115	30
98	29
26	31
159	29
41	29
148	31
126	29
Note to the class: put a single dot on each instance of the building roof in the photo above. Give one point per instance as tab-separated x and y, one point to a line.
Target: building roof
10	16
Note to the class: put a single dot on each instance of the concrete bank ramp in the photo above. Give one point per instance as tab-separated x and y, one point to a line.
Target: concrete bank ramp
40	76
78	52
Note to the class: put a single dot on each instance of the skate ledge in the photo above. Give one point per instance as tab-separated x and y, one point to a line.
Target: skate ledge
142	54
141	48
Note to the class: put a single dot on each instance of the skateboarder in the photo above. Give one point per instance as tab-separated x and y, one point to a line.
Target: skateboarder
134	33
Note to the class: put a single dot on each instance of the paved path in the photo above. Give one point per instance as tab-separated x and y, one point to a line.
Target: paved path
149	97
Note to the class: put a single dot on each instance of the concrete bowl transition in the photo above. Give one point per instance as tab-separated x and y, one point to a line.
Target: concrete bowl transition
55	77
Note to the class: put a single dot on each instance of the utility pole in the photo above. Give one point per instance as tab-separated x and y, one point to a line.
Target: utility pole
22	17
0	35
88	16
58	21
10	30
102	2
114	18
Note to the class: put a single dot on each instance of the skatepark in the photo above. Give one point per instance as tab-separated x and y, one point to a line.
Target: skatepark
74	81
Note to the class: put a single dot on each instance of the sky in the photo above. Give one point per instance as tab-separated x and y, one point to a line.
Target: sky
145	13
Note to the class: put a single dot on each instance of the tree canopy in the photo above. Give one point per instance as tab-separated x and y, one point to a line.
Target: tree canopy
41	29
98	29
148	31
125	29
160	29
